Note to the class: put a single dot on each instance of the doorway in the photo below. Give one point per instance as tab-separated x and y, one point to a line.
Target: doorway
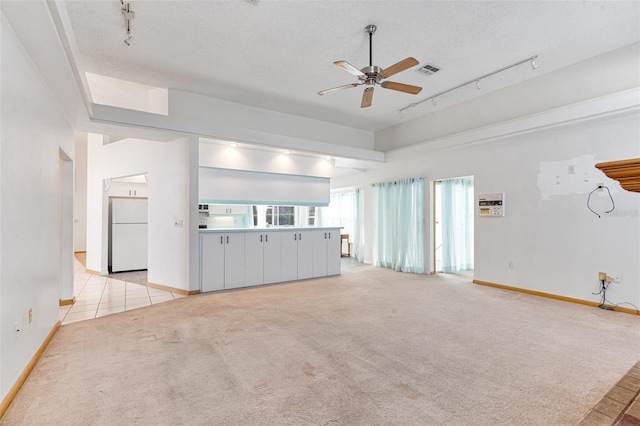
453	213
65	211
128	228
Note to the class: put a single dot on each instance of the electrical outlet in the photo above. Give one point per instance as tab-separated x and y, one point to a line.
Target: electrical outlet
617	278
511	264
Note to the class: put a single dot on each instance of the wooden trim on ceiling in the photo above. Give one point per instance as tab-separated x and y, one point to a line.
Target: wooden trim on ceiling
173	289
23	377
627	172
555	296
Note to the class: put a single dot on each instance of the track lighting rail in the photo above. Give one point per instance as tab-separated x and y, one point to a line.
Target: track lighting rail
475	81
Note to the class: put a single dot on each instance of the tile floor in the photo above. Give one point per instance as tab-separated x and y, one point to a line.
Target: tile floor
97	296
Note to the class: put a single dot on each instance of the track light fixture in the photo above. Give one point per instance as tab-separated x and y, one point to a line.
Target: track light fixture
128	15
432	98
127	39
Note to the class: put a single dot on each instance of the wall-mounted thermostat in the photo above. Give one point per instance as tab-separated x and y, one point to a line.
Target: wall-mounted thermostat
491	205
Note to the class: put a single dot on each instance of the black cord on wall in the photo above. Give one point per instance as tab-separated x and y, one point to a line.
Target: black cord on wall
613	204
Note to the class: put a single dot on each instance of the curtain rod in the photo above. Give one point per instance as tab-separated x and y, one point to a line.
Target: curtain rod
419	178
475	80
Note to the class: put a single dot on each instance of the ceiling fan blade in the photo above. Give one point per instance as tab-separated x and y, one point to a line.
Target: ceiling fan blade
367	97
400	66
349	68
400	87
335	89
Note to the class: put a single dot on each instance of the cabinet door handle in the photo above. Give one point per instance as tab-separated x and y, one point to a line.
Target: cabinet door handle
295	237
325	235
266	238
260	238
129	192
329	235
221	239
300	237
227	239
135	192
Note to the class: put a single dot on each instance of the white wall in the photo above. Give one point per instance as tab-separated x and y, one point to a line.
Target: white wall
242	174
263	123
556	245
224	156
221	186
33	131
171	175
80	193
127	94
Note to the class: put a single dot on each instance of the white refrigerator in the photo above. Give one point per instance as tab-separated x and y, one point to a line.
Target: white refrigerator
129	234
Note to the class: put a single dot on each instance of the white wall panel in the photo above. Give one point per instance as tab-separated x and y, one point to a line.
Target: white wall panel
222	186
34	130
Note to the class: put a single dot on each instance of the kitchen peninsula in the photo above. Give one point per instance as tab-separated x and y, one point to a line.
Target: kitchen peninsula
245	257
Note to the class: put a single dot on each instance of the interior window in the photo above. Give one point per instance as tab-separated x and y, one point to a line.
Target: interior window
311	218
276	215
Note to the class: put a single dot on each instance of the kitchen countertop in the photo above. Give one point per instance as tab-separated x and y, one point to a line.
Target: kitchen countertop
272	229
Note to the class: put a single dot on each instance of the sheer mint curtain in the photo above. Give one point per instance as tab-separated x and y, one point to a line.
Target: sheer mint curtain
399	229
457	224
344	210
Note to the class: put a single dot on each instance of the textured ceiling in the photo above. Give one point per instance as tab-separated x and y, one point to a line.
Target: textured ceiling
279	54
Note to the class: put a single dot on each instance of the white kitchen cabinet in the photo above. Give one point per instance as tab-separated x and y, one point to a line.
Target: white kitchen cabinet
297	255
221	261
211	262
218	209
272	257
326	252
128	189
263	253
243	259
234	271
225	209
289	259
334	253
305	255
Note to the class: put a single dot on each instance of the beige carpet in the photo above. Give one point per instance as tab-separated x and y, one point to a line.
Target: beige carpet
370	347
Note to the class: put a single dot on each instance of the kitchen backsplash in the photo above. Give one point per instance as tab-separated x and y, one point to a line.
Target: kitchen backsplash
219	221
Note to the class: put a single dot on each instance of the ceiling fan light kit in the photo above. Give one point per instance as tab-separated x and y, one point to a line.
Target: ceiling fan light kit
372	75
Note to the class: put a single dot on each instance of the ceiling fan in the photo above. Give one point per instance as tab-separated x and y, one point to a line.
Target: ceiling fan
372	75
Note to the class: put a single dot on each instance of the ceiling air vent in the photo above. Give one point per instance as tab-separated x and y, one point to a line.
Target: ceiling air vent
429	69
